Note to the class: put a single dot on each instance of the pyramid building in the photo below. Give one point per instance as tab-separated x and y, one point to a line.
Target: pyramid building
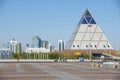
88	35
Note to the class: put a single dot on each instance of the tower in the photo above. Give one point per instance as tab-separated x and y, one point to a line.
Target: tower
60	45
88	35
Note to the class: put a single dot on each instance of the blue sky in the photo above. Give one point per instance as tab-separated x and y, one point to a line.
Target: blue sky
55	19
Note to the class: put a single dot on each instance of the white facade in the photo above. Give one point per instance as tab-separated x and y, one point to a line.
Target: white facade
14	46
88	34
30	50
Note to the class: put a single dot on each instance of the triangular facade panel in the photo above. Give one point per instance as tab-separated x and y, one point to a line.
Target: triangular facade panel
82	29
98	29
97	36
88	34
79	36
103	37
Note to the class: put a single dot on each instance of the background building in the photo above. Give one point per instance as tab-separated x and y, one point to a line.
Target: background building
5	53
51	47
39	49
45	44
36	50
15	46
60	45
37	53
36	42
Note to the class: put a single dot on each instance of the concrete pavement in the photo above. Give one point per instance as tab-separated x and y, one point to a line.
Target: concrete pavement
57	71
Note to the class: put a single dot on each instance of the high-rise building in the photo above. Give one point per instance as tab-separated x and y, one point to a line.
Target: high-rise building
60	45
51	47
88	35
36	42
15	46
45	44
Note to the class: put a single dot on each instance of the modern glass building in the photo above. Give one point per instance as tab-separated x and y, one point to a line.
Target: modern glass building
36	42
60	45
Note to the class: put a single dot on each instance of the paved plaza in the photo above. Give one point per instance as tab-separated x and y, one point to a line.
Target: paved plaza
57	71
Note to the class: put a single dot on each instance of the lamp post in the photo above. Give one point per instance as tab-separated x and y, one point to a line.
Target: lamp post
90	52
90	46
18	56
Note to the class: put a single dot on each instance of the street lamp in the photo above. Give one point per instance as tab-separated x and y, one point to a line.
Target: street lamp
90	46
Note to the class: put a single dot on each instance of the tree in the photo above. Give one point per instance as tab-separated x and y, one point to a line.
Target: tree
53	56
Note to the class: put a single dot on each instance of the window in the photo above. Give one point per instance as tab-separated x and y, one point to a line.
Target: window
84	21
86	45
95	46
104	46
89	25
92	21
88	19
73	45
108	46
90	45
77	45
